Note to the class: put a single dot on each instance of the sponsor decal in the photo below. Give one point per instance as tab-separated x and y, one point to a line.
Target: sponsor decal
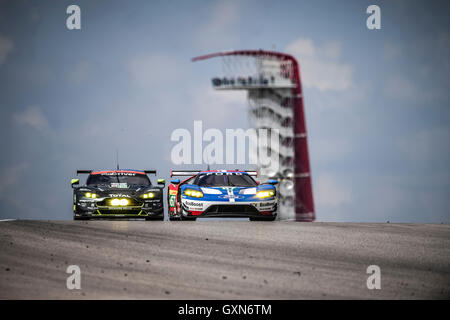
193	204
230	197
173	192
120	173
266	205
172	200
119	185
224	173
119	195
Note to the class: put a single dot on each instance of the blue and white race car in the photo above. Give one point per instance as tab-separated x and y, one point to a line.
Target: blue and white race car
223	194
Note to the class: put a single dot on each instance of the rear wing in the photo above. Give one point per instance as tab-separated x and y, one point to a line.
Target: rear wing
83	172
89	172
252	173
191	173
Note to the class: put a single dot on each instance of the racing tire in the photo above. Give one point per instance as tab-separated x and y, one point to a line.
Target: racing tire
81	218
154	219
272	218
174	218
183	218
187	219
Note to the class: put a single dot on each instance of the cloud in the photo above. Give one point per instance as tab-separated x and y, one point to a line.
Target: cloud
427	81
320	66
331	149
443	49
221	28
386	201
12	175
32	117
302	47
35	14
217	108
332	49
391	51
80	72
12	192
6	46
406	88
434	205
427	148
400	87
150	71
330	193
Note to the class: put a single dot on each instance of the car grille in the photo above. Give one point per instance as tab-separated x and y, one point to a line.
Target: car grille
131	202
231	209
124	212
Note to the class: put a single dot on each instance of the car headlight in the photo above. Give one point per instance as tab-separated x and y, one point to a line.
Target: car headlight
248	191
119	202
265	194
149	195
193	193
90	195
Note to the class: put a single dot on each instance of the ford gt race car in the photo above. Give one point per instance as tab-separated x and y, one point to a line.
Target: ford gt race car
221	194
118	194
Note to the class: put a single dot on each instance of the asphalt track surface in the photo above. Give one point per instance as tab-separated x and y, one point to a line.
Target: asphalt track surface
223	260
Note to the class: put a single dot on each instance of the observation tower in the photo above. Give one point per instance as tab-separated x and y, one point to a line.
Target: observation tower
272	81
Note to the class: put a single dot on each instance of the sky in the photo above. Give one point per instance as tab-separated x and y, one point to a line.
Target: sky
376	101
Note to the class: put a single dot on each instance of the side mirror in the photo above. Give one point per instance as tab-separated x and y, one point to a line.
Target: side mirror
162	181
175	181
74	182
272	181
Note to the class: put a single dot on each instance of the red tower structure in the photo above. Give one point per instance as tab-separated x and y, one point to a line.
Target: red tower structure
274	87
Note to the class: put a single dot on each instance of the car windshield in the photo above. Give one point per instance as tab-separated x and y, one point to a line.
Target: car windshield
109	178
229	179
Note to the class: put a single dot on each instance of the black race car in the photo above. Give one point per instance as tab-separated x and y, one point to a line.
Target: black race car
118	194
